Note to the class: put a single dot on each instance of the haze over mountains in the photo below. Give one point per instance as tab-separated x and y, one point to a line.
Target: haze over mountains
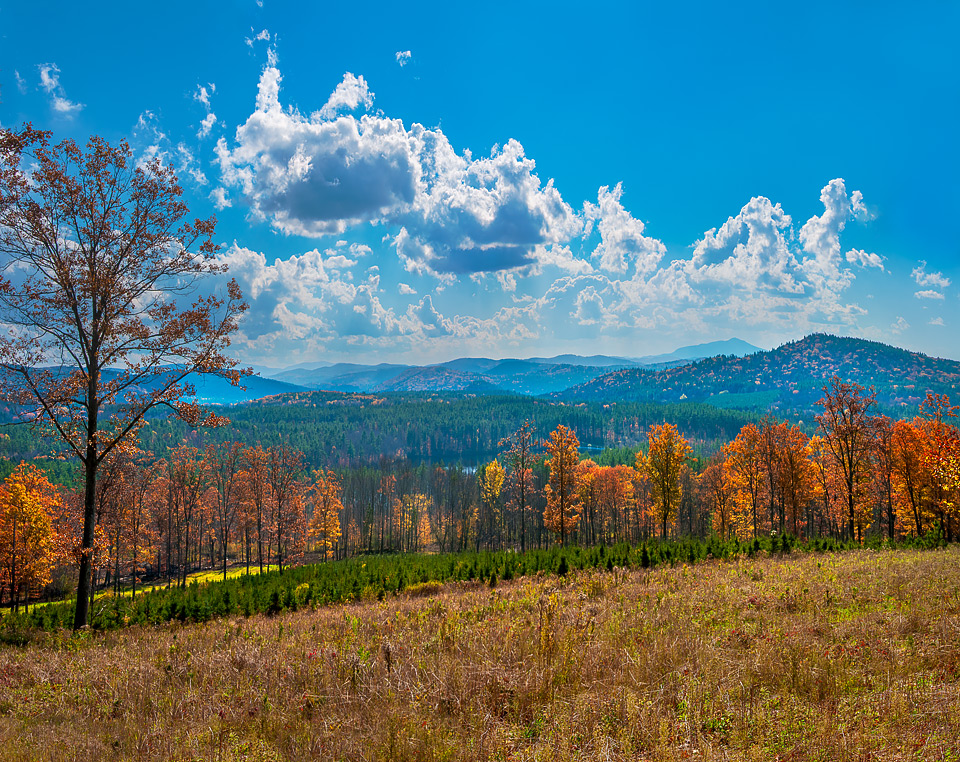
535	375
785	381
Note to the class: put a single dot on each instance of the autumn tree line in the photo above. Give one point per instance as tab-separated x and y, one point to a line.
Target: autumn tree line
166	518
859	475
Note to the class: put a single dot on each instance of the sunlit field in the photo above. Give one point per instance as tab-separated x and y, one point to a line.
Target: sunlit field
815	656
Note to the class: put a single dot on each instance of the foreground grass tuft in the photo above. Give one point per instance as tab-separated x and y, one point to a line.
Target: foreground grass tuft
832	657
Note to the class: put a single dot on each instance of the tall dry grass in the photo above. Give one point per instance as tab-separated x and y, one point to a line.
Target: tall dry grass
813	657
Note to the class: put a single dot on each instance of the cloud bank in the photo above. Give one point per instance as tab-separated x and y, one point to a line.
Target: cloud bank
507	258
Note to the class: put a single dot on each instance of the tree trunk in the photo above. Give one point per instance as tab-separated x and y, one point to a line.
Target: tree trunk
523	516
84	587
94	573
185	557
260	541
116	567
14	598
891	519
851	516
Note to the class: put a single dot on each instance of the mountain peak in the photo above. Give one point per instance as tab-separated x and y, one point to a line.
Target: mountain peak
734	346
788	379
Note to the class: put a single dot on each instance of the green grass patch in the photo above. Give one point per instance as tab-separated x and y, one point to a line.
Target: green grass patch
375	577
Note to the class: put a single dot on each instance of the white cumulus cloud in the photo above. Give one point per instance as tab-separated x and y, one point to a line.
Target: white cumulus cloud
50	83
753	270
312	176
589	308
432	323
820	236
490	223
219	198
207	124
749	251
351	93
321	174
310	302
403	57
622	240
864	259
481	215
923	278
202	95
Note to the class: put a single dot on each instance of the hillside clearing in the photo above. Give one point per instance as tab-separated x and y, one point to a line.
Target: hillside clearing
847	656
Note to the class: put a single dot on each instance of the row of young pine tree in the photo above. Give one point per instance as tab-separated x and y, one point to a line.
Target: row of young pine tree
229	504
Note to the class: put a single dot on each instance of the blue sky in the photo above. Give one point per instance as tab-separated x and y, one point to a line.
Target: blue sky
400	183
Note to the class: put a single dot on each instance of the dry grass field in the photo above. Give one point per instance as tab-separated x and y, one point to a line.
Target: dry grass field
853	656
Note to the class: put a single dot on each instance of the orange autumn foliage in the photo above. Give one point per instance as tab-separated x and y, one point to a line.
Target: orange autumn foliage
327	506
28	542
564	501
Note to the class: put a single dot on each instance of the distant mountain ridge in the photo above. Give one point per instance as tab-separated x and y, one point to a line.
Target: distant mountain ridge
788	379
593	361
532	376
437	379
477	375
342	377
737	347
515	376
211	389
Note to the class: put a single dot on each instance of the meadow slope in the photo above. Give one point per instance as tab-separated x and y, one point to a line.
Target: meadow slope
847	656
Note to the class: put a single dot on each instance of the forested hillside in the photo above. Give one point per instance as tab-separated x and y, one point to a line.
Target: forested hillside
788	380
337	429
709	401
481	375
